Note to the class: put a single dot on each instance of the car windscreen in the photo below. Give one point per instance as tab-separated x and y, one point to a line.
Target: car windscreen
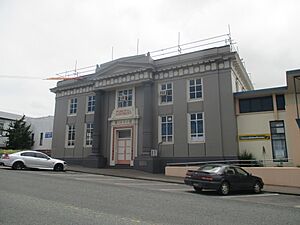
210	168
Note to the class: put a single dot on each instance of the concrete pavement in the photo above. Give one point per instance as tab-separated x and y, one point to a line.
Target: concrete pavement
137	174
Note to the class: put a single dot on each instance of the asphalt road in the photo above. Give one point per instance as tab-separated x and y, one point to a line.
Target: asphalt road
46	197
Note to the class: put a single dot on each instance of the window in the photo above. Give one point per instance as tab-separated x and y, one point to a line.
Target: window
278	141
166	93
91	104
28	154
41	155
241	172
166	129
196	129
89	134
195	89
71	136
41	139
1	129
256	104
280	101
125	98
32	139
73	106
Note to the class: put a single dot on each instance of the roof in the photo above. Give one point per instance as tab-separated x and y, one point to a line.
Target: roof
9	116
261	92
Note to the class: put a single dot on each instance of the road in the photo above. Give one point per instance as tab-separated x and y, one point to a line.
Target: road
45	197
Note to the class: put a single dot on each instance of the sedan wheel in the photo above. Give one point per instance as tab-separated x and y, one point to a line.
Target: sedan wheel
58	167
257	188
18	166
224	188
198	189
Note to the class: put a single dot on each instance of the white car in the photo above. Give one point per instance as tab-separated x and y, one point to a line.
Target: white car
32	159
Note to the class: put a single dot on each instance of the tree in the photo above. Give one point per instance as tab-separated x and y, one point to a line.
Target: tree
19	135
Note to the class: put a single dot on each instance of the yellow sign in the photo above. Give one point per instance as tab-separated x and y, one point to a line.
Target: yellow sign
254	137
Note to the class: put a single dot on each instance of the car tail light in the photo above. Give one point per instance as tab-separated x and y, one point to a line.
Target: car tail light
207	178
5	156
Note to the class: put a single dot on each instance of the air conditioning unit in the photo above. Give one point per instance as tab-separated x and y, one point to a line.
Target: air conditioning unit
153	153
123	98
163	93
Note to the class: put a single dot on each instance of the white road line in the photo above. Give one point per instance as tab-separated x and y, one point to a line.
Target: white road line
297	206
249	196
174	189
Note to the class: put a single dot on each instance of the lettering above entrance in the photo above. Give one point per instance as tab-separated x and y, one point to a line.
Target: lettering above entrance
124	113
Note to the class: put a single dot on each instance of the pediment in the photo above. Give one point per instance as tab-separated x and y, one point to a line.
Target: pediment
124	65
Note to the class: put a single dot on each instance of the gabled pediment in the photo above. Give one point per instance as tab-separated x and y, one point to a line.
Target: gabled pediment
124	65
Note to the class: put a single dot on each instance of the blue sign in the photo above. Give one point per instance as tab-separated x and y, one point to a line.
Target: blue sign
48	135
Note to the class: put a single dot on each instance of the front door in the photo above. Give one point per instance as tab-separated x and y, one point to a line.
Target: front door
124	146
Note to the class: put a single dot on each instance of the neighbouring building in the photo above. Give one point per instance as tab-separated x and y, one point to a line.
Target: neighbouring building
142	113
41	128
268	122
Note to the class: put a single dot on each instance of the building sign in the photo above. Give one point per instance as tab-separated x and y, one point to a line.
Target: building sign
123	112
254	137
48	135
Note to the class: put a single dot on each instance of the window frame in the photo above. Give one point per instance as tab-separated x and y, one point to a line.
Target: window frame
188	85
160	136
72	106
189	133
90	138
71	141
117	97
160	97
283	138
93	106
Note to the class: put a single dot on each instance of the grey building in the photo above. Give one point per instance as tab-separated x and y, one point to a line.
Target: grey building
129	109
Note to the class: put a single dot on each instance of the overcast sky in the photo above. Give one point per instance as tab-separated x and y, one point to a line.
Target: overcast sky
39	38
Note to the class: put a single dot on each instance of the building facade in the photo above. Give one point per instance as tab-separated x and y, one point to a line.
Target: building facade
142	113
268	122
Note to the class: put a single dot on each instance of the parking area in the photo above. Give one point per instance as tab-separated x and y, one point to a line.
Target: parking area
271	199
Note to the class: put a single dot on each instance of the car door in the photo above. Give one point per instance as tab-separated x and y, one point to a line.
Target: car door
43	161
29	159
232	178
245	180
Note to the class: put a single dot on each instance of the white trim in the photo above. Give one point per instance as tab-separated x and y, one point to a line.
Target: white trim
188	90
122	89
66	136
87	104
159	96
159	130
190	141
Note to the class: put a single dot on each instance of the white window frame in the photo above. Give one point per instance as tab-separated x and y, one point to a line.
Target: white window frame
160	127
159	93
189	99
92	101
72	105
71	141
200	139
86	138
117	97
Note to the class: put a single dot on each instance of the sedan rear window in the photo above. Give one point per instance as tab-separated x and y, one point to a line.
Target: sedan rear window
210	168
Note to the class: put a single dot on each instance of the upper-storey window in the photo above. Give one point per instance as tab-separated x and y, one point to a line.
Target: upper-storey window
261	104
166	93
195	89
73	106
125	98
91	104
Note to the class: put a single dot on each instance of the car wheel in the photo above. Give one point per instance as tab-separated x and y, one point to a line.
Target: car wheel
224	188
58	167
257	188
198	189
18	166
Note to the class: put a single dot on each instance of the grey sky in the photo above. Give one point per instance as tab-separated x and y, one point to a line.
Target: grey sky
41	38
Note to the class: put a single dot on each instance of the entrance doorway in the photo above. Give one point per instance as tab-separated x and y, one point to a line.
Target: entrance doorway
124	146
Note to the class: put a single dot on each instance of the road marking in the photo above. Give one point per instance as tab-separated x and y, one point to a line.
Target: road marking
174	189
102	179
297	206
248	196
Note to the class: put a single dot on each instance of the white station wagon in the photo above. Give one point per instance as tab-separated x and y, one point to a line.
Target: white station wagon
32	159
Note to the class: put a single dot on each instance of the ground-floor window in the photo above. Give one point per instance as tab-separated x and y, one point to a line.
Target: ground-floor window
166	129
70	135
196	127
89	134
278	140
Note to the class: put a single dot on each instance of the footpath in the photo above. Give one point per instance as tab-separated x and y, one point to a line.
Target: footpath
137	174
